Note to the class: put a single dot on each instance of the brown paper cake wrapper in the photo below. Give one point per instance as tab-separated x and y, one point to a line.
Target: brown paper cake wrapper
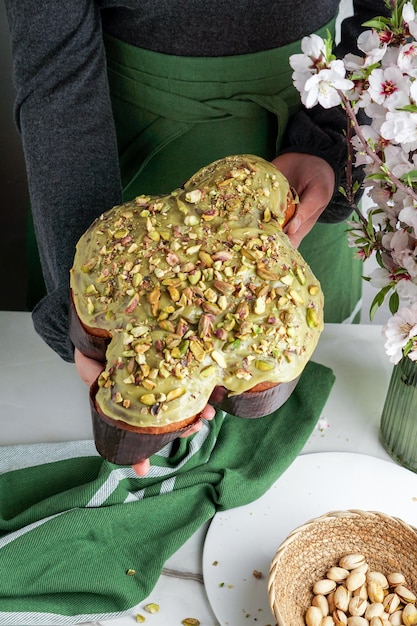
123	444
262	400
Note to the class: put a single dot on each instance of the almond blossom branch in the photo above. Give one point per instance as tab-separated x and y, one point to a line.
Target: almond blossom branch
372	154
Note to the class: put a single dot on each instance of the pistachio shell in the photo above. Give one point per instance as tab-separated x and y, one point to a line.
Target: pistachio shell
342	598
321	602
339	617
376	609
337	573
409	615
356	620
324	586
380	578
396	618
313	616
362	592
357	606
396	578
405	594
355	580
350	561
375	591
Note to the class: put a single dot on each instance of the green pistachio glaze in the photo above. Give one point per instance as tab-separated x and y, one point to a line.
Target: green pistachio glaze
198	288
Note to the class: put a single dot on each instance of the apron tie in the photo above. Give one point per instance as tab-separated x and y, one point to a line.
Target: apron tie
159	99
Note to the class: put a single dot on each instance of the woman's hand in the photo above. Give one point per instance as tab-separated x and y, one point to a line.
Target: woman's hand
313	179
89	369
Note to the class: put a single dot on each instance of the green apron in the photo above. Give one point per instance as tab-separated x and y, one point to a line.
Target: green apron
176	114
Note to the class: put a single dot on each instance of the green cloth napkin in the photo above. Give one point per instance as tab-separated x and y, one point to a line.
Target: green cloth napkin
71	529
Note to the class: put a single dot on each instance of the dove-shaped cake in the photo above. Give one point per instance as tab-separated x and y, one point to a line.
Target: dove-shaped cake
192	297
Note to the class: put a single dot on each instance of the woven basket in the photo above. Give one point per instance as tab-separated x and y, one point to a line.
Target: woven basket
388	544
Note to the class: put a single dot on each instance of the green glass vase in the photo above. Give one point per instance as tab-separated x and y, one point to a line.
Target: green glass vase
399	416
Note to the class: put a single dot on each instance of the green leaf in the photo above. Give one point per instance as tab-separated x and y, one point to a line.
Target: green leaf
373	309
379	23
408	107
329	47
376	176
370	229
411	176
394	302
378	301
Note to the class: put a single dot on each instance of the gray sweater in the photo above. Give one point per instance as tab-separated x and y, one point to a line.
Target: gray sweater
63	108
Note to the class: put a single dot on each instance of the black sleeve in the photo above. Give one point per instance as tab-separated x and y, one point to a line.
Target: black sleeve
321	132
63	113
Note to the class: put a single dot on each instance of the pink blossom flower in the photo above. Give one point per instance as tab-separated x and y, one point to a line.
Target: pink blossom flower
408	215
399	330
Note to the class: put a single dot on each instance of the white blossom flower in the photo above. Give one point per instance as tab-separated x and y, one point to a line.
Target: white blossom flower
309	62
399	330
389	87
409	17
397	160
407	59
353	62
406	289
322	87
390	57
401	127
409	262
370	43
408	215
380	278
375	111
314	46
398	242
313	54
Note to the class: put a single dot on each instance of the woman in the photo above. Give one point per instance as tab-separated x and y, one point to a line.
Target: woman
116	98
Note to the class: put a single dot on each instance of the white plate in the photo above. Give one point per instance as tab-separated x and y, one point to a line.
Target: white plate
245	539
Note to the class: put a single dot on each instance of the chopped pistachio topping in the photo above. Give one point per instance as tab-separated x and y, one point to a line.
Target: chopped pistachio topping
198	288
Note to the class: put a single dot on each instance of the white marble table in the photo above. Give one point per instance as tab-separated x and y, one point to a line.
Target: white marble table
32	378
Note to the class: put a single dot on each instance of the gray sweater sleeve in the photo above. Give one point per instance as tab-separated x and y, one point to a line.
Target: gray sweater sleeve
64	115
